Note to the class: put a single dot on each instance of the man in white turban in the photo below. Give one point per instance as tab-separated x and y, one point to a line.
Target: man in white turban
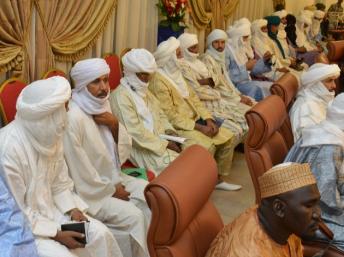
218	94
140	112
322	146
317	90
241	62
186	112
31	155
96	145
305	49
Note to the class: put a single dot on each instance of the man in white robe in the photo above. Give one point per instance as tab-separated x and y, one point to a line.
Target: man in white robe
317	90
140	112
31	155
96	145
215	92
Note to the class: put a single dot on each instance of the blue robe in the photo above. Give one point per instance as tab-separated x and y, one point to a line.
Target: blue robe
241	77
16	239
325	162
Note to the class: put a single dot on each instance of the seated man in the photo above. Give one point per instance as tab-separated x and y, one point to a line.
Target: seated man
186	112
32	160
289	209
314	34
241	62
317	90
263	45
96	145
217	93
322	147
140	112
16	238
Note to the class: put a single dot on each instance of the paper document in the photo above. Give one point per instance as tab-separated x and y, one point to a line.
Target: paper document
179	140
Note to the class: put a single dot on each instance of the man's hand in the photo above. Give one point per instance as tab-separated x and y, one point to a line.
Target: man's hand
213	126
171	132
208	81
109	120
67	238
283	69
292	62
250	64
204	129
267	56
121	193
301	50
77	215
173	146
246	100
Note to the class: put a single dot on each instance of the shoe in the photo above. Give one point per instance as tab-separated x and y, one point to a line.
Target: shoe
227	186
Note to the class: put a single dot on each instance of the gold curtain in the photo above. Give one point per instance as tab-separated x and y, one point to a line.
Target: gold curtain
222	9
15	20
67	29
201	18
276	2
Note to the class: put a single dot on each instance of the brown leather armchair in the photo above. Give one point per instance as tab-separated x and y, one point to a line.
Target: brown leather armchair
286	87
335	51
184	221
266	147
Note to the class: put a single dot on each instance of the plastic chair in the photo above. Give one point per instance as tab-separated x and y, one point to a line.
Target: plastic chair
9	92
115	70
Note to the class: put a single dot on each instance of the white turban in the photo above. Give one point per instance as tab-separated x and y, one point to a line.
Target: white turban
85	71
139	60
42	97
135	61
305	17
281	14
165	51
257	25
260	39
216	34
319	72
242	21
319	14
41	114
187	40
335	111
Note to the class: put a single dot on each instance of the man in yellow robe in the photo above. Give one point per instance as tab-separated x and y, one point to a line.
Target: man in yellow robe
140	112
289	209
186	112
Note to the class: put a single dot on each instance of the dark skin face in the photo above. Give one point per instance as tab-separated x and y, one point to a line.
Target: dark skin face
144	76
99	87
179	53
194	49
274	28
219	45
330	83
264	29
296	212
284	20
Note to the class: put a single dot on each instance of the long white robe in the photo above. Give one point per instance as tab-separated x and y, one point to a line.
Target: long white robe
95	175
45	195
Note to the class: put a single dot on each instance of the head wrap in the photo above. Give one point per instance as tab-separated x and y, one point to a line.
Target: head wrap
240	50
319	72
165	51
198	67
281	14
85	71
169	65
42	114
285	178
216	34
319	14
242	21
135	61
331	130
275	21
259	38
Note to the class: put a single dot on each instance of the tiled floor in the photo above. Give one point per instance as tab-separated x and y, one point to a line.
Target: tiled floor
231	204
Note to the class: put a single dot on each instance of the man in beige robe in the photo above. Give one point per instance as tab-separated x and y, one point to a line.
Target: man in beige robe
199	77
140	112
186	112
289	209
